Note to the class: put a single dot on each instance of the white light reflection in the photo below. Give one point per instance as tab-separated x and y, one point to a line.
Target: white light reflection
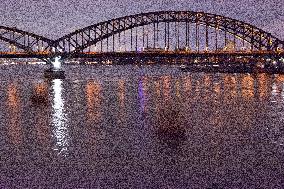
274	92
60	130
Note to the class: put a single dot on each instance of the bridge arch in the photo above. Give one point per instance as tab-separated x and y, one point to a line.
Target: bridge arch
29	42
81	39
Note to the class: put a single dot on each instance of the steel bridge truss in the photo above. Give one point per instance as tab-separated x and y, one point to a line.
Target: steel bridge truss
28	42
81	39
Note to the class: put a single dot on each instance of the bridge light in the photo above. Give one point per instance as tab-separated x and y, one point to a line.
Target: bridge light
270	41
57	64
278	49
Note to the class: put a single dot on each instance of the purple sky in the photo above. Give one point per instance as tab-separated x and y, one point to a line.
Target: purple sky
54	18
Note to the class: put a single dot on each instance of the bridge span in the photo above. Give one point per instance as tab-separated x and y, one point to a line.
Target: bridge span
154	34
145	54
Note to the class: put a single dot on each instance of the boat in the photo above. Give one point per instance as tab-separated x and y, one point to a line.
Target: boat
54	74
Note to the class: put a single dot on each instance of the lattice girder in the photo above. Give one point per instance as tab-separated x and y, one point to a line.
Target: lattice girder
91	35
26	41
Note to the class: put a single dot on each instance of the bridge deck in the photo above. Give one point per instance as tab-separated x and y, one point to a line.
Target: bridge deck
169	54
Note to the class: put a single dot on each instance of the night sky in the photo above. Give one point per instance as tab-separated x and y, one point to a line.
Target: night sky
55	18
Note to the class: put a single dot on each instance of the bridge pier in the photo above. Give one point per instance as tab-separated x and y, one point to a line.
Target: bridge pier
55	71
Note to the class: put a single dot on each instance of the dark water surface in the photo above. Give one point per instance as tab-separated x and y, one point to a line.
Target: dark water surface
140	127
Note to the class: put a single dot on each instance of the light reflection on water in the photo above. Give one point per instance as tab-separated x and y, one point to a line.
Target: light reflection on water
59	118
120	122
282	94
93	94
14	105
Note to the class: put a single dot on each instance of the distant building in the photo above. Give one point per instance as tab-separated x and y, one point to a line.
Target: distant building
230	46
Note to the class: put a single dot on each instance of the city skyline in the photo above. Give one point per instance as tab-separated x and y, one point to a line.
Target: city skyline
55	18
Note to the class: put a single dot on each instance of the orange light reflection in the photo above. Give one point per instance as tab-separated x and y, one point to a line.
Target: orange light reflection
15	129
93	92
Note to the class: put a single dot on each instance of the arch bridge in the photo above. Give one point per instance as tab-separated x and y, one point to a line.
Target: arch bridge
20	41
162	32
169	31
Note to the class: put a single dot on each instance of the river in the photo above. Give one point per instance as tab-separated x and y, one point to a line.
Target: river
140	127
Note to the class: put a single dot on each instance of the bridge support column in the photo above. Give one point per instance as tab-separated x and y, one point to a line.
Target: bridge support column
55	71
